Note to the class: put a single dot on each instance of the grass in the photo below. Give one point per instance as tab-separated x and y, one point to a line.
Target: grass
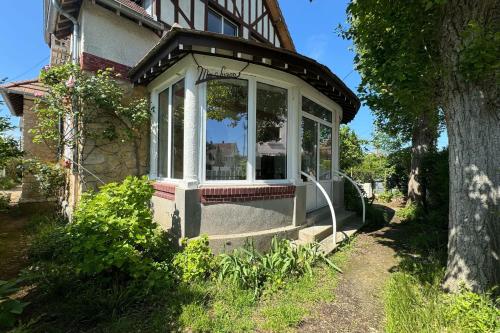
206	306
414	300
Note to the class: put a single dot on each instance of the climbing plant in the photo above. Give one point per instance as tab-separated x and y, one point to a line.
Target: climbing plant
80	107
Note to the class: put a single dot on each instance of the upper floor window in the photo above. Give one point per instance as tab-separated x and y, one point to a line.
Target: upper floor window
220	24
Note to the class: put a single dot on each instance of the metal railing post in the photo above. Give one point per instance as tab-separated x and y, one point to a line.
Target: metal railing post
357	189
334	219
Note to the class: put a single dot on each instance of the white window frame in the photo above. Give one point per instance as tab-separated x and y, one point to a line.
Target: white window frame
224	18
251	134
320	121
154	172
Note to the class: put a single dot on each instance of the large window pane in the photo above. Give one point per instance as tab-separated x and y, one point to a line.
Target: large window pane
325	153
309	147
177	129
272	110
226	130
214	23
163	102
230	29
316	109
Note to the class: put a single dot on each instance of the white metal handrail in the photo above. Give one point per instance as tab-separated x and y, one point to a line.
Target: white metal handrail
358	189
321	188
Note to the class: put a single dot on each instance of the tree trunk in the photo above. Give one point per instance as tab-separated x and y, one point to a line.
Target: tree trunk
422	141
473	123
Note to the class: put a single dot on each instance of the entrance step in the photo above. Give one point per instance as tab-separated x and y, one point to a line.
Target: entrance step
322	228
345	232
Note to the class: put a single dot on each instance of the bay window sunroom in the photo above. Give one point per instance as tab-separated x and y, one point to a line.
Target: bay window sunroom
234	123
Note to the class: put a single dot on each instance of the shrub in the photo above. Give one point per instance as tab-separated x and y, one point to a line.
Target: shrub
7	183
50	177
385	196
50	241
250	269
4	202
113	232
10	308
408	213
196	261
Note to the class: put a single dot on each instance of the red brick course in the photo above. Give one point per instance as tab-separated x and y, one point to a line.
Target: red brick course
212	195
165	191
93	63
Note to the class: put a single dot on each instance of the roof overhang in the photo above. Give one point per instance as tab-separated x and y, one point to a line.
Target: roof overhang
179	42
61	26
15	93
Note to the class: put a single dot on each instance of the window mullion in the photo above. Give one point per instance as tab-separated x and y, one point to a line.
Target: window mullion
251	137
170	136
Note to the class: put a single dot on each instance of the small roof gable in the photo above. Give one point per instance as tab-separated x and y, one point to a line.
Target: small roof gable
14	94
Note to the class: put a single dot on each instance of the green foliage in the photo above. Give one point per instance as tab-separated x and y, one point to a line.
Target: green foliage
385	196
373	167
396	55
409	213
10	308
415	302
51	241
249	269
50	177
473	312
7	183
479	57
113	230
351	149
4	202
196	261
9	147
103	108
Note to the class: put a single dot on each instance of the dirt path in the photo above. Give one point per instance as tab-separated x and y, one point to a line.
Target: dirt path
13	244
358	303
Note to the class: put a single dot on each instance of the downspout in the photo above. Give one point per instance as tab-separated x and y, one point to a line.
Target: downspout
75	60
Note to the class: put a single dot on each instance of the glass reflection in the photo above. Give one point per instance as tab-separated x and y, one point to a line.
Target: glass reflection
309	147
163	102
272	110
177	129
227	130
325	153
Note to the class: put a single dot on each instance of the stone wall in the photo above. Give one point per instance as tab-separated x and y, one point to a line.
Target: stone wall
112	161
30	187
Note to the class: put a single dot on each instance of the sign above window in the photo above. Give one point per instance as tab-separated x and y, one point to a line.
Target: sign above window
206	75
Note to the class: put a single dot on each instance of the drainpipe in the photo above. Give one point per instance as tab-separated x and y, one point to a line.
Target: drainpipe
75	60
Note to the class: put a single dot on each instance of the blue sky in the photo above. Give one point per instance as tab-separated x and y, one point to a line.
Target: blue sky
311	24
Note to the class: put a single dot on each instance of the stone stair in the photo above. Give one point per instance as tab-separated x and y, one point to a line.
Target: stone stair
321	230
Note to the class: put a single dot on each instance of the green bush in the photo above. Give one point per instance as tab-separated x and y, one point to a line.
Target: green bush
415	302
7	183
196	261
113	232
385	196
10	308
249	269
4	202
51	241
409	213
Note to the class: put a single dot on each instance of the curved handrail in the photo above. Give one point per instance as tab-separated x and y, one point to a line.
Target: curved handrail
334	219
357	189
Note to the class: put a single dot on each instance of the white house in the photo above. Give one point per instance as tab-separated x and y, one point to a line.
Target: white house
237	112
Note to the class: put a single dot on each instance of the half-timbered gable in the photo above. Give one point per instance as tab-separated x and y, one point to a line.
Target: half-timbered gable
259	20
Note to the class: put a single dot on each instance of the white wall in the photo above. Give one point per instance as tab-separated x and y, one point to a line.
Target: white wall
107	35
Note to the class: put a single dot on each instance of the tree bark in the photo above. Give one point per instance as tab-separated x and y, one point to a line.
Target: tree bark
423	141
473	123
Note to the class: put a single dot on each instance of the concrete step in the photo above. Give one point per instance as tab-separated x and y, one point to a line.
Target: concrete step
323	228
327	245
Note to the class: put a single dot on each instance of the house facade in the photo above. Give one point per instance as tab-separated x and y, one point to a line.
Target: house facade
237	113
